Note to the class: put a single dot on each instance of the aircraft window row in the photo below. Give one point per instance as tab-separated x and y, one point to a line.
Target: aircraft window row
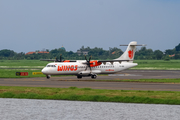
97	67
71	67
104	67
81	66
50	66
121	66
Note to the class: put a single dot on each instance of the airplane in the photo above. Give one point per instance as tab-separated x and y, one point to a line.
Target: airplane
90	68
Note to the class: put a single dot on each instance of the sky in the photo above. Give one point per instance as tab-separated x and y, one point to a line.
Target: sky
30	25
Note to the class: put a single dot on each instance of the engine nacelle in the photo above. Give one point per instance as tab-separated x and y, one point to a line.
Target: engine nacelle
95	63
85	73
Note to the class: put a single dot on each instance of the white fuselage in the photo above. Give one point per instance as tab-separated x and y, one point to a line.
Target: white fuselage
75	68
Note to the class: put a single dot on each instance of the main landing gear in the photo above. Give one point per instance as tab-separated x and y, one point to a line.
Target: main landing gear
93	76
79	76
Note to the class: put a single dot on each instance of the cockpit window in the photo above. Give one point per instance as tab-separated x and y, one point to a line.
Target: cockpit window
50	66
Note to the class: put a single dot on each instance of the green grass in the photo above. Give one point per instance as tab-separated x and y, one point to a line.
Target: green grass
27	65
171	80
88	94
23	63
142	64
11	73
157	64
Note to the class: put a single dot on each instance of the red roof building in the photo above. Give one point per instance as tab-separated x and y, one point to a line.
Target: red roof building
29	53
43	52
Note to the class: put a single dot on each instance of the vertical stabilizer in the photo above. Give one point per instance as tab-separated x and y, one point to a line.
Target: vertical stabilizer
129	53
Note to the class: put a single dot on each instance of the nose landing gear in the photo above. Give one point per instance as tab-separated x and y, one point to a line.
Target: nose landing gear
48	76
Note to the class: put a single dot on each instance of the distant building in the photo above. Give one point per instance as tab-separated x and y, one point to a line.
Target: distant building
113	52
40	52
43	52
63	48
84	52
29	53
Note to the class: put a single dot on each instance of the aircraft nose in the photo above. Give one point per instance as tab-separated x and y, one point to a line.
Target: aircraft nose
44	71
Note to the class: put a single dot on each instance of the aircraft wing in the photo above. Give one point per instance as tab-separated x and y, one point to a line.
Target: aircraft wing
111	61
47	60
54	60
104	61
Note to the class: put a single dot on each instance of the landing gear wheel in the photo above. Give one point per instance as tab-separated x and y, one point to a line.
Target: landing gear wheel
48	76
93	76
79	76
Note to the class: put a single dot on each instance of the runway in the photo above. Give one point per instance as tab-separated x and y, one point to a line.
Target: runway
87	82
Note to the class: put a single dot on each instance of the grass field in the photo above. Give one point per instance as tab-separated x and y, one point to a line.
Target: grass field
11	73
172	80
20	66
142	64
157	65
88	94
27	63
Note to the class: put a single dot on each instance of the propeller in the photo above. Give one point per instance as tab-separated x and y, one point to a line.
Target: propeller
60	59
88	63
56	59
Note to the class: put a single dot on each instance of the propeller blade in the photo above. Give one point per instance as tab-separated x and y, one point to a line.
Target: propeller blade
90	68
86	68
60	58
88	62
89	59
56	59
86	58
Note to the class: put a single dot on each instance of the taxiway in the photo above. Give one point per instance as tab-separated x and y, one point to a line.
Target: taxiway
87	82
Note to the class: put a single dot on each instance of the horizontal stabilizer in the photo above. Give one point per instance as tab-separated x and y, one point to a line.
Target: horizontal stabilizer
134	45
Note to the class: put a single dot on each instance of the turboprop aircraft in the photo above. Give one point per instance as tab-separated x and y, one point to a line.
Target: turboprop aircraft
85	68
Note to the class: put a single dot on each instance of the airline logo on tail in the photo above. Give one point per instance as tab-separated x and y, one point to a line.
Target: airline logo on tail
130	53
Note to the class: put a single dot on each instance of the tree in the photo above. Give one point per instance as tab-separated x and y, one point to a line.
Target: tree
70	53
169	52
177	56
7	53
158	54
177	47
144	53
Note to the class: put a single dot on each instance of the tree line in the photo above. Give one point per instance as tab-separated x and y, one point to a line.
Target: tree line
97	53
